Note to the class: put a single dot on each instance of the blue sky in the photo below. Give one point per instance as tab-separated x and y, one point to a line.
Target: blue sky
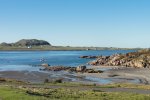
103	23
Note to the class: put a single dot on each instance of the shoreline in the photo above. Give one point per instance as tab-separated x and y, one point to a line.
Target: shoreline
115	74
60	48
120	74
40	77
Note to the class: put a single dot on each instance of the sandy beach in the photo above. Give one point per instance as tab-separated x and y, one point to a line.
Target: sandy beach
119	74
39	77
115	74
34	77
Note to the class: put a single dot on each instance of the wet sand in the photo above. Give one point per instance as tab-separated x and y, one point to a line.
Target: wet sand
114	74
34	77
119	74
39	77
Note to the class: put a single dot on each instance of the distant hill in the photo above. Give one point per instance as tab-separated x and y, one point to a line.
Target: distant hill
35	44
27	42
31	42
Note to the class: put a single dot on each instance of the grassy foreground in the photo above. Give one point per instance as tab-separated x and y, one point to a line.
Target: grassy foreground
13	90
9	93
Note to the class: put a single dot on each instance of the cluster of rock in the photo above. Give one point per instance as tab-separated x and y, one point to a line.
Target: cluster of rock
140	59
82	69
89	57
27	42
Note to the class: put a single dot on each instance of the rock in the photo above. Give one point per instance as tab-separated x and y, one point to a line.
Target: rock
80	68
88	57
139	59
138	64
2	79
45	65
71	69
95	62
83	56
93	71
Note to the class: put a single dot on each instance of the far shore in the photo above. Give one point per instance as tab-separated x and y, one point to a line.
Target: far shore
59	48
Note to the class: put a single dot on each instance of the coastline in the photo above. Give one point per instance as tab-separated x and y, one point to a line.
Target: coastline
120	74
40	77
114	74
60	48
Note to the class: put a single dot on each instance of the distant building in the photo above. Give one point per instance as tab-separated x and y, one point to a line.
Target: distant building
87	49
29	47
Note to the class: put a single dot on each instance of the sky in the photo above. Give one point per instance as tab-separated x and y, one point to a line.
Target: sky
101	23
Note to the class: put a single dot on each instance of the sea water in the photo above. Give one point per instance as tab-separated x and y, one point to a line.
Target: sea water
28	61
25	60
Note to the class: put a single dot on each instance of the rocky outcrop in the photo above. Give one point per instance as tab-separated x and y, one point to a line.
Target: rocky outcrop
81	69
89	57
45	65
140	59
58	68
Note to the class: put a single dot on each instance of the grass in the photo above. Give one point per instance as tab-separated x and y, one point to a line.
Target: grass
28	91
114	85
129	85
58	82
10	93
16	90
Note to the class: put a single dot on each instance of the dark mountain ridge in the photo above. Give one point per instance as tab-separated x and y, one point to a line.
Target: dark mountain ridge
27	42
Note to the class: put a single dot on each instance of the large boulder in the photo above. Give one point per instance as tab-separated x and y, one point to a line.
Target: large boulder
81	68
88	57
138	64
45	65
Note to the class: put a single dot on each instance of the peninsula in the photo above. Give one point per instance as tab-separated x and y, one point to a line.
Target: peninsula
35	44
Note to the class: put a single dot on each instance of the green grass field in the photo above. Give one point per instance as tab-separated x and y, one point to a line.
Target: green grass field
13	90
9	93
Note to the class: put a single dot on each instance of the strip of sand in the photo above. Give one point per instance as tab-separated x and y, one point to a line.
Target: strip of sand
114	74
118	74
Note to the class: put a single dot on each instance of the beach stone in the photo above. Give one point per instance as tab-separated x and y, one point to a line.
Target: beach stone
83	56
80	68
88	57
45	65
95	62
